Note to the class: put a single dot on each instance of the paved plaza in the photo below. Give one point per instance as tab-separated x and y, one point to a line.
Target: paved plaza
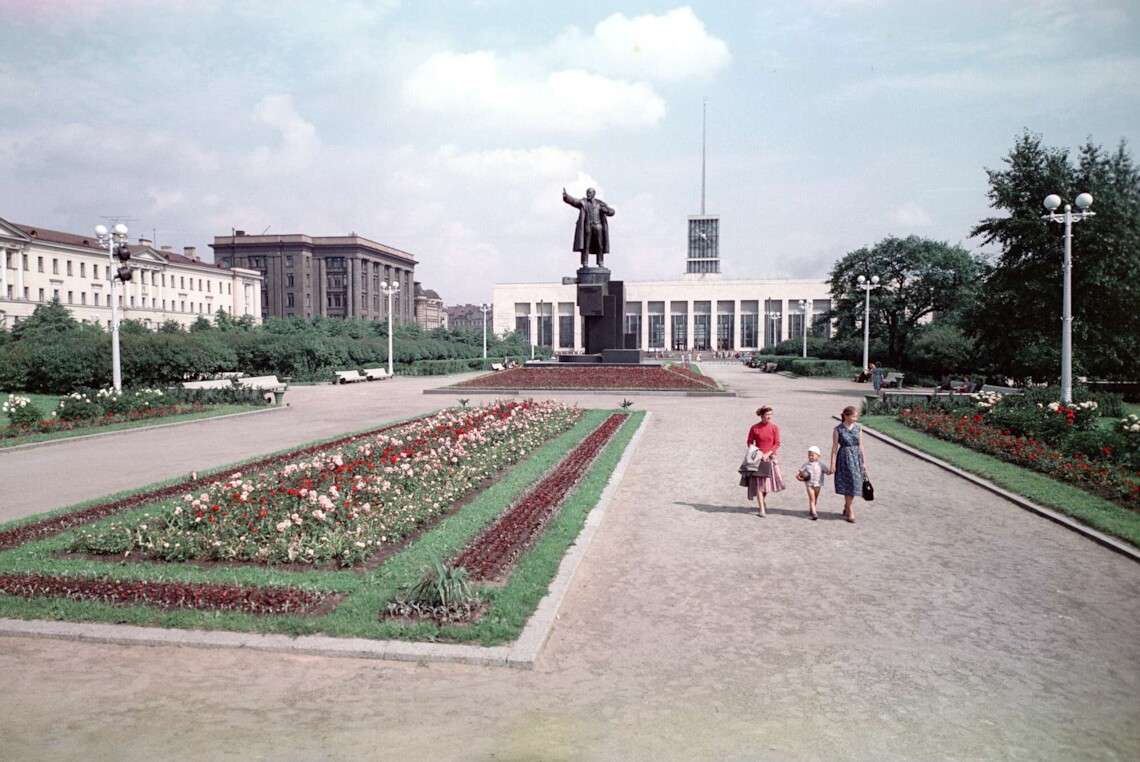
946	624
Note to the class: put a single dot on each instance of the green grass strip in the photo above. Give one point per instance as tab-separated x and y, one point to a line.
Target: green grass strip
88	430
367	594
1072	501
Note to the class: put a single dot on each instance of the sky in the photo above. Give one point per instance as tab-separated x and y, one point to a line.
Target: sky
448	129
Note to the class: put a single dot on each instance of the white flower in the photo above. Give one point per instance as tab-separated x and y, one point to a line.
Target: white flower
283	525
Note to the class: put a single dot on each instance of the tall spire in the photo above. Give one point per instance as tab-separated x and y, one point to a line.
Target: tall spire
704	107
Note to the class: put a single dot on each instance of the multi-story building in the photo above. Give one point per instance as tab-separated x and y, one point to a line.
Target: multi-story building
330	276
41	265
468	317
429	309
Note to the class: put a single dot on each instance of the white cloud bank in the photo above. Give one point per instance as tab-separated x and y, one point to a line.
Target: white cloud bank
577	84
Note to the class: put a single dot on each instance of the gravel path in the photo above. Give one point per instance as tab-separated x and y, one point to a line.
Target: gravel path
946	624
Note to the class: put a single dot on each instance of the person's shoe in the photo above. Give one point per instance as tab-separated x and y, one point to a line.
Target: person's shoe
814	516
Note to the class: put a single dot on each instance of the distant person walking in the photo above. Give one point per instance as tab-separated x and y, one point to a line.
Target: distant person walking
766	437
848	462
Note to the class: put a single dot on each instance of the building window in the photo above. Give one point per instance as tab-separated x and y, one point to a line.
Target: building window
26	294
632	325
71	297
82	269
10	290
94	272
26	261
657	325
680	332
565	326
54	266
181	281
69	267
39	264
702	326
748	330
183	307
289	299
209	286
55	295
820	325
132	301
95	298
289	261
773	322
289	280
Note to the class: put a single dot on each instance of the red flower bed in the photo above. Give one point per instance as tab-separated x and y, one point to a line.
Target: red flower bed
166	595
570	376
52	526
500	544
1110	482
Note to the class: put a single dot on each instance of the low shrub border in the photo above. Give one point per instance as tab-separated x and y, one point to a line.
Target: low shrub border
570	377
1090	509
365	592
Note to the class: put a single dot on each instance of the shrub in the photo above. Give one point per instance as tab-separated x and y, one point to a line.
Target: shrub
21	411
78	406
828	368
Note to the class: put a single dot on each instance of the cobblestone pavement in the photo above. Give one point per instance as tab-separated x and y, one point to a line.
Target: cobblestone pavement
945	624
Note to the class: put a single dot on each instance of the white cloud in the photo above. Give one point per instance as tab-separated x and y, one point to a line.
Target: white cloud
298	143
482	88
912	215
672	47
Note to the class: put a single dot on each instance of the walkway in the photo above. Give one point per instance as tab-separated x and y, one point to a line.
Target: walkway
946	624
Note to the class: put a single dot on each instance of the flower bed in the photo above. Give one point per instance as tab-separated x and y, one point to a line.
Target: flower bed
1112	482
52	425
571	377
499	545
340	504
166	595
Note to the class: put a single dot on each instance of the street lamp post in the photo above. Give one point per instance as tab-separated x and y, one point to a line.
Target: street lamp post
389	290
484	308
113	238
865	284
1052	202
773	316
804	305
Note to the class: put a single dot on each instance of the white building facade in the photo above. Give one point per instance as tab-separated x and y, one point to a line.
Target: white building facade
41	265
697	314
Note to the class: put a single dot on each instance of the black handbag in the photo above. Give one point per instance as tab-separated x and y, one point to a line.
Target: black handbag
868	490
764	469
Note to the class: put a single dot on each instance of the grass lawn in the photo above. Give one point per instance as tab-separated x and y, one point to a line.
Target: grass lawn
86	430
1130	408
45	402
1072	501
366	591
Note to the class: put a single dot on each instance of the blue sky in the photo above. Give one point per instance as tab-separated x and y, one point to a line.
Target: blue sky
449	128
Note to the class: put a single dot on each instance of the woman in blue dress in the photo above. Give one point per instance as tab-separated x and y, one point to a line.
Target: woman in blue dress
847	461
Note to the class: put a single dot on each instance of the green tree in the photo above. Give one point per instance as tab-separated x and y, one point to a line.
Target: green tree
202	323
47	319
921	280
1017	322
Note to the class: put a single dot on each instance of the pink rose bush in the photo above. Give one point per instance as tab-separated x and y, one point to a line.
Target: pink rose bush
341	504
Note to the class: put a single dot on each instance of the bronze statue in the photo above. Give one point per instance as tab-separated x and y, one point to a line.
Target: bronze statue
592	233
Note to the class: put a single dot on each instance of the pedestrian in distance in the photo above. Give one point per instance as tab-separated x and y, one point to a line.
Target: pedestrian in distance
812	474
765	436
848	461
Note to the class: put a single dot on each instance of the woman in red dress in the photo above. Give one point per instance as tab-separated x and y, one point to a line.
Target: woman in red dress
766	436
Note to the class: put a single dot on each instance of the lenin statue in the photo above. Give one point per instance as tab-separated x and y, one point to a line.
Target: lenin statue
592	233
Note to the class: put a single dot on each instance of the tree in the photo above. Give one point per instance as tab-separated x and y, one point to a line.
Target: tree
1017	322
201	323
921	280
49	318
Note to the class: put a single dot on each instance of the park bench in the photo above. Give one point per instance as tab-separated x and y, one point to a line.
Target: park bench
1001	389
496	366
230	374
217	383
770	367
376	374
893	380
348	377
273	388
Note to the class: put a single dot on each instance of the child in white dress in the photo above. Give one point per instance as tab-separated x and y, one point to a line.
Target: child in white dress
811	474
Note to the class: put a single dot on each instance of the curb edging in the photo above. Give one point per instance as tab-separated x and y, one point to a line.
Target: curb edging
1105	540
522	653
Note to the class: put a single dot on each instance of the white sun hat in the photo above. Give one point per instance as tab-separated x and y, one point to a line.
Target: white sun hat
814	449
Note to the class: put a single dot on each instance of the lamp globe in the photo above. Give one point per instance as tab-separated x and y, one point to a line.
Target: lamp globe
1084	201
1052	201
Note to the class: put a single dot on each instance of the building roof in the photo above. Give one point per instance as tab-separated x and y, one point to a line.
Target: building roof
427	293
174	258
301	238
58	236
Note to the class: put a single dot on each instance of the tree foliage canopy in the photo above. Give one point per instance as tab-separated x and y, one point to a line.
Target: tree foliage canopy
921	280
1017	321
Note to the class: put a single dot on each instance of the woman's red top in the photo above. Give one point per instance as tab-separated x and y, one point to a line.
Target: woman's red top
766	436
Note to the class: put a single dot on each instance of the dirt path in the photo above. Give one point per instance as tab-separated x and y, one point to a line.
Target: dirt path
946	624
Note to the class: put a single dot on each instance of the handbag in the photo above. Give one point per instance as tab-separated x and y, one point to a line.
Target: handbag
764	469
868	490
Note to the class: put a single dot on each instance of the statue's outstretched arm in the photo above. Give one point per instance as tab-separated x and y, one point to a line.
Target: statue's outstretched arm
567	198
608	210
